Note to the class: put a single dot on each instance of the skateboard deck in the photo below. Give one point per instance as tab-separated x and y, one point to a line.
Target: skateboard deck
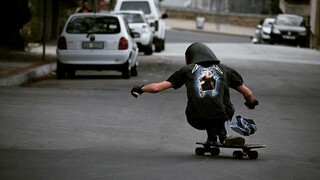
214	149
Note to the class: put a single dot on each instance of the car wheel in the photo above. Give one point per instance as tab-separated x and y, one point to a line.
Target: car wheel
271	40
126	70
303	44
134	70
163	44
158	45
71	73
148	50
61	71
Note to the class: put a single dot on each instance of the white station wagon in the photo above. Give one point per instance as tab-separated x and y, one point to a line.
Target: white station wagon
96	41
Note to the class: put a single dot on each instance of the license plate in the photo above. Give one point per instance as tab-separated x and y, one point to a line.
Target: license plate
288	37
92	45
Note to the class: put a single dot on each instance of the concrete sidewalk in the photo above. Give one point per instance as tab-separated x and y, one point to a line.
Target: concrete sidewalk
17	68
14	72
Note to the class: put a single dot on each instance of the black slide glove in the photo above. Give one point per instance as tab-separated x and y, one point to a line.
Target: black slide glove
136	91
252	105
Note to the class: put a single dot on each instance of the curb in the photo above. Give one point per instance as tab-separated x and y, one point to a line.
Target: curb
33	73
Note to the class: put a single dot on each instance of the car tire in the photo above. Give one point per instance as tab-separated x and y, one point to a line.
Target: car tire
271	42
163	44
148	50
158	45
134	70
61	71
71	73
302	44
126	70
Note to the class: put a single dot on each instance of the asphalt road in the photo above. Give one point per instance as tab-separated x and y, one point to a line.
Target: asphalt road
178	36
91	128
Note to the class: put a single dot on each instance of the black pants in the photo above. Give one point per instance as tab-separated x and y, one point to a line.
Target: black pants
214	128
213	133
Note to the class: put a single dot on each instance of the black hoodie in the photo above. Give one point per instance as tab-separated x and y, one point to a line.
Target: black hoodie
198	52
207	82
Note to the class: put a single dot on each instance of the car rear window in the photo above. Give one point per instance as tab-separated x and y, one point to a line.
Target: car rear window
136	5
133	18
93	24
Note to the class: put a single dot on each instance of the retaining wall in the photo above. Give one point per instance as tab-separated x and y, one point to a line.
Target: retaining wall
248	20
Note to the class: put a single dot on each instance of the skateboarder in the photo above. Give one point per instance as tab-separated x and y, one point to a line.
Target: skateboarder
207	82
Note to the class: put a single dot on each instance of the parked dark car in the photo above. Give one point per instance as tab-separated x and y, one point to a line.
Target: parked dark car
289	29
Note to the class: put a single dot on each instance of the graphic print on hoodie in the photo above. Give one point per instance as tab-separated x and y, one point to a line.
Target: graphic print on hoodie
207	80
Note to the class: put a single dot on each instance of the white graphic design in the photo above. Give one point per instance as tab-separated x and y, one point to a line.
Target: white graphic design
207	80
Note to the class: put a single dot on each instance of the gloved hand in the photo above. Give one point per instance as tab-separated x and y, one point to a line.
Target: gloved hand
252	105
136	91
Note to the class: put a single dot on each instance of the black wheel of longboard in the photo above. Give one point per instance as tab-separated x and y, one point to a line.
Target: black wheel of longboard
253	154
238	154
200	151
214	151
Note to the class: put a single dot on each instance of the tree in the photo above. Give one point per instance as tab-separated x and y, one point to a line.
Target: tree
13	15
274	7
112	3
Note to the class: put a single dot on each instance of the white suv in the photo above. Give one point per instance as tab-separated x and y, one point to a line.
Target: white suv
153	15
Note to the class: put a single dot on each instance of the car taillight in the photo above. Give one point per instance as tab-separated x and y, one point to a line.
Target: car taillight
156	25
62	43
123	43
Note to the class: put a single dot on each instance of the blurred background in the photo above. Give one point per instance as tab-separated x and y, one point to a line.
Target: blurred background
25	21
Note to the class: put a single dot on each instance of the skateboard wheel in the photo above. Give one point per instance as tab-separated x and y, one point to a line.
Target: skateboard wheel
253	154
237	154
214	151
200	151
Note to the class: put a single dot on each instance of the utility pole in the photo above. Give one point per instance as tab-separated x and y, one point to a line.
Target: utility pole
44	30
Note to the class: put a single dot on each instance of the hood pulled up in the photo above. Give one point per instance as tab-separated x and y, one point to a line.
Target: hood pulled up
199	52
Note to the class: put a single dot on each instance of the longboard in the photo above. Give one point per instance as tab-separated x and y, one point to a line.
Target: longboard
214	149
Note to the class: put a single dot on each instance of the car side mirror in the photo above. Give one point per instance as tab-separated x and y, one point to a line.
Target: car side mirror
259	26
164	16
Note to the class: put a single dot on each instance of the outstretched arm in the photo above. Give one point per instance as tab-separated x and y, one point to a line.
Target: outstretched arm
246	92
151	88
157	87
248	96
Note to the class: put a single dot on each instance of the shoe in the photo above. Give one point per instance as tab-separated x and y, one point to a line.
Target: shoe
211	142
234	140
